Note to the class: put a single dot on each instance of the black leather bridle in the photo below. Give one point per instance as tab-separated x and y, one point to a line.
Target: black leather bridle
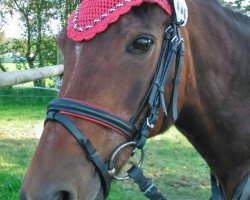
172	54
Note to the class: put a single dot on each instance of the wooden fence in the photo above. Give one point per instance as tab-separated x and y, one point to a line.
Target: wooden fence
18	77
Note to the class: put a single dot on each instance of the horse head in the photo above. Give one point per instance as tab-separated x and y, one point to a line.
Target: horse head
113	72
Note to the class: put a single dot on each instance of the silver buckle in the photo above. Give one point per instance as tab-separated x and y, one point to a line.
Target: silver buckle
150	125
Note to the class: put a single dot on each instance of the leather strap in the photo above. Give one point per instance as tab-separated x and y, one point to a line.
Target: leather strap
177	79
155	97
89	111
246	191
145	185
85	143
243	190
217	193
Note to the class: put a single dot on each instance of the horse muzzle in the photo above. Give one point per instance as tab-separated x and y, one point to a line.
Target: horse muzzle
61	191
60	173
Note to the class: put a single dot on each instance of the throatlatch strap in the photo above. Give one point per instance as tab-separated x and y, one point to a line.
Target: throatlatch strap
85	143
177	79
145	185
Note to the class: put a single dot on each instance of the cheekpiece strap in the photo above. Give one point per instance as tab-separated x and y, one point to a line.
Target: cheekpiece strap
172	52
85	143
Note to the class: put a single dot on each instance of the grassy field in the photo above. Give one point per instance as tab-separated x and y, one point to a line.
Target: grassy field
172	163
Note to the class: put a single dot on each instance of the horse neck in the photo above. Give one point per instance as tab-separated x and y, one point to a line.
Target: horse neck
216	109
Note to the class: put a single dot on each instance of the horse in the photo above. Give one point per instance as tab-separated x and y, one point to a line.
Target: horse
113	71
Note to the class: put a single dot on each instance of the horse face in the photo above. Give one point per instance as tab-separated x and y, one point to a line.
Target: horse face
112	71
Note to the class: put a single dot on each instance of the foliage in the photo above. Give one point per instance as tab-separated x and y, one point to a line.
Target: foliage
237	5
64	9
2	18
2	22
36	18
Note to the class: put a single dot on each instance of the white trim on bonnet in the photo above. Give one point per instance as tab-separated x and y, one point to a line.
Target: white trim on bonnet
97	20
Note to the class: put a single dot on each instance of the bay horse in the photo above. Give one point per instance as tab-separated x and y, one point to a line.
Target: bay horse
113	71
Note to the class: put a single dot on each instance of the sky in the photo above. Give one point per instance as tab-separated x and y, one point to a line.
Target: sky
12	29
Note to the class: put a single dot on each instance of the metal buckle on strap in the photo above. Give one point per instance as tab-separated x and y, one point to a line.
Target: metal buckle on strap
175	39
169	30
150	125
180	41
149	189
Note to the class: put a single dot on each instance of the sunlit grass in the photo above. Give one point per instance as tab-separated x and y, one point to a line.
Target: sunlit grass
15	155
174	166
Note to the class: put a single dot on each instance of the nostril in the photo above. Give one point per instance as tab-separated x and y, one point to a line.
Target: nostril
64	195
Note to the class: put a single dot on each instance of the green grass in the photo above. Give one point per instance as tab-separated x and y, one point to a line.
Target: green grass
175	168
20	112
172	163
14	157
23	108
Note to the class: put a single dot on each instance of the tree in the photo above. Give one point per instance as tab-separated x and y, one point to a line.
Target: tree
2	22
65	8
238	5
3	50
36	18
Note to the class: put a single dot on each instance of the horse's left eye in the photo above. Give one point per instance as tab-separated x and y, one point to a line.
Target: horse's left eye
141	45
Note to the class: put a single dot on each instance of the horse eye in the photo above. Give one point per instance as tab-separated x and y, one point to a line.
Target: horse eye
141	45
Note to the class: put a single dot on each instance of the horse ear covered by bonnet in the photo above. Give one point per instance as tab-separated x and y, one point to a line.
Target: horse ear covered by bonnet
93	17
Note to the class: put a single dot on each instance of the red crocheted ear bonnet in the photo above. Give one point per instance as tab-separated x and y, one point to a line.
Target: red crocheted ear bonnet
94	16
